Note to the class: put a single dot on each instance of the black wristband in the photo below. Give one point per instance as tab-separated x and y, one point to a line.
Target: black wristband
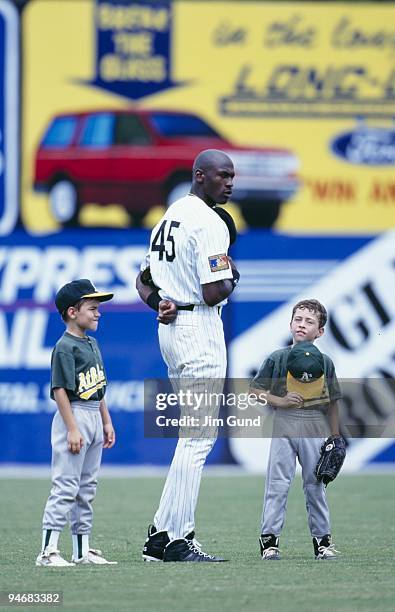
153	300
235	279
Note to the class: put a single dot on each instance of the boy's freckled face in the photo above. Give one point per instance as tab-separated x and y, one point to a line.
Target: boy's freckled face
305	326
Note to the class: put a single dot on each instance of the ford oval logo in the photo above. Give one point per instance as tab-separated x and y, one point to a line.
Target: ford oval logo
366	146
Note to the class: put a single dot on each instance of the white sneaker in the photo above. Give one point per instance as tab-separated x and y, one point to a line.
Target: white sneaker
324	549
271	554
94	557
51	558
268	545
326	553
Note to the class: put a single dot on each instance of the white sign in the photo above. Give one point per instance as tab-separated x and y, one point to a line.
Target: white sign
359	335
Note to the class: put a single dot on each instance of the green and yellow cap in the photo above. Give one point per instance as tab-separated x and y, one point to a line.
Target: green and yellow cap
305	370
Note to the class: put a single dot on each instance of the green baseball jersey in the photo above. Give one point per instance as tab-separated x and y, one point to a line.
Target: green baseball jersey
77	366
272	377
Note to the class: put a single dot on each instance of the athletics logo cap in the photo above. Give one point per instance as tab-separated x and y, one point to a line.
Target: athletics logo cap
77	290
305	370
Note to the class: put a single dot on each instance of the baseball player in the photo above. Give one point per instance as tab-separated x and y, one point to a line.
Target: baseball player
192	277
80	429
300	384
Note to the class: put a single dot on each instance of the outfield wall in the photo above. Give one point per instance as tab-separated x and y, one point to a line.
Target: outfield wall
351	275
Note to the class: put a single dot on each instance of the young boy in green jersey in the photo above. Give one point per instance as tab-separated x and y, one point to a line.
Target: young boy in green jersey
300	384
81	427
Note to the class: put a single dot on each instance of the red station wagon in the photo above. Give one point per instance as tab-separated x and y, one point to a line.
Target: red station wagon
143	158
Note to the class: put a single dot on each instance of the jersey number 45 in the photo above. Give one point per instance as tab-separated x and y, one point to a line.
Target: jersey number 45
159	242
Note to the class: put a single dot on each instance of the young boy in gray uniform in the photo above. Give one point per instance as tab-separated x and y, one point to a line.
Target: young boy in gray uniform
81	426
300	383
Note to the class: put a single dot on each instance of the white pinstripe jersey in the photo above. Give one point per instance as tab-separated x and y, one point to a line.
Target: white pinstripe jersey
188	248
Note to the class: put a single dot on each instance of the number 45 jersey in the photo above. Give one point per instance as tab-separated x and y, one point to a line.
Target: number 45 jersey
188	248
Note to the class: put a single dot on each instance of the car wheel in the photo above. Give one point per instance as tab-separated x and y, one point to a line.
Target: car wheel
63	200
260	214
177	191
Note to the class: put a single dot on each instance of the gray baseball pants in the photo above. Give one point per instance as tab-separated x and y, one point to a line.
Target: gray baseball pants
297	434
74	477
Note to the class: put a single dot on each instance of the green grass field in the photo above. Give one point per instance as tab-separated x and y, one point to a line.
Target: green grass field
228	524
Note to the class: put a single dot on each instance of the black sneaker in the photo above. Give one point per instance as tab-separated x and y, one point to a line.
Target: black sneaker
186	550
268	544
324	550
155	544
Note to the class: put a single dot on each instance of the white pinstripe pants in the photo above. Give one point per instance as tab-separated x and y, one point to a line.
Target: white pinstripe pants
193	347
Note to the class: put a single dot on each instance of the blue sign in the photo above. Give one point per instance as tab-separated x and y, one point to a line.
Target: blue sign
133	47
31	271
9	79
274	268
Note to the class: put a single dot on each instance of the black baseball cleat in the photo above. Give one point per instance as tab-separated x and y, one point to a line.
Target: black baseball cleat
268	544
155	544
186	550
157	541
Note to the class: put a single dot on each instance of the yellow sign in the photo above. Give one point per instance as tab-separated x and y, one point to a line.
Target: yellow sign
316	80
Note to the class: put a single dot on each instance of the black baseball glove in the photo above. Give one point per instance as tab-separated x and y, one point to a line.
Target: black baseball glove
333	453
230	224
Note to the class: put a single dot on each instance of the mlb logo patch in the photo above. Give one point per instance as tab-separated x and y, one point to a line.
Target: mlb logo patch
218	262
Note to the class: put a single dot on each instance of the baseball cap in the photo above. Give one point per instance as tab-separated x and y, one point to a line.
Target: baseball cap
73	292
305	370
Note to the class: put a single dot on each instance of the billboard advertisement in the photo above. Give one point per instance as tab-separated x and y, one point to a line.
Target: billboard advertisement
305	92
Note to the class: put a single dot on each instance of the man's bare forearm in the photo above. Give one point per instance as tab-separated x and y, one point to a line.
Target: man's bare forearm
143	290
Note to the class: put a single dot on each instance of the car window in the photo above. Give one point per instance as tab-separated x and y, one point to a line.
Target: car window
130	130
170	125
98	130
60	132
